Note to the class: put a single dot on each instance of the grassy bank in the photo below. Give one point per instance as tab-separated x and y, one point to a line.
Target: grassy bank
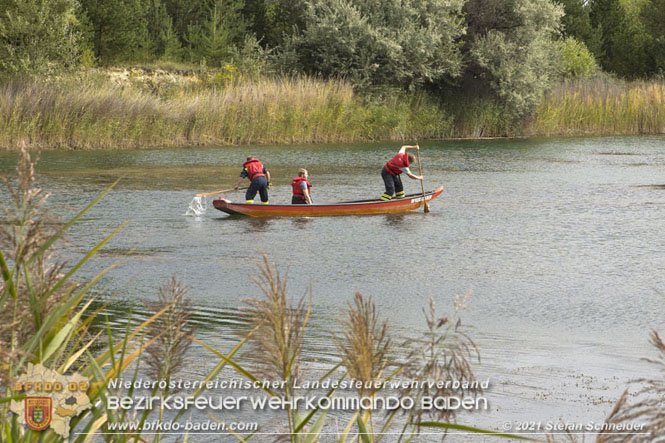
601	107
137	108
98	111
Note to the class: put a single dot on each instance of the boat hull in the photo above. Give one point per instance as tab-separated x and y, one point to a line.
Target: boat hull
364	207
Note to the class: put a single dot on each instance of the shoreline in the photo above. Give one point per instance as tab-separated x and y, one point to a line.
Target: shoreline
38	148
152	109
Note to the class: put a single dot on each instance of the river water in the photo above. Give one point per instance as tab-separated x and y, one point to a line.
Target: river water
559	240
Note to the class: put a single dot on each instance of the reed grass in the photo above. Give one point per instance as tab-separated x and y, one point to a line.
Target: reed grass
167	355
28	225
139	109
601	106
644	407
365	346
275	348
441	357
98	111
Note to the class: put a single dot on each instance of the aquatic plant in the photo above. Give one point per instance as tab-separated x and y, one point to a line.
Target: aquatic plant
440	363
171	331
275	347
364	351
601	106
366	344
28	225
94	110
644	407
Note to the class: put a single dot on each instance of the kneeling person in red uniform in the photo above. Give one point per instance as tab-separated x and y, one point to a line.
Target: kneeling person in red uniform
392	170
301	189
259	177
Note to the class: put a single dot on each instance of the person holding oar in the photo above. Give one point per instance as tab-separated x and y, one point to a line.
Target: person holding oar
259	178
392	170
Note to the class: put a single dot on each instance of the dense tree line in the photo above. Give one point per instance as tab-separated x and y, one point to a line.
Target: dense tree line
508	50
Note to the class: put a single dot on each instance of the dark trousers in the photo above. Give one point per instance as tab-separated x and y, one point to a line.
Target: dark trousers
260	185
298	201
393	183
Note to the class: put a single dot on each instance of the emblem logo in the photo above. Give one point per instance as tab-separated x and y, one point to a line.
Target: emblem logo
38	412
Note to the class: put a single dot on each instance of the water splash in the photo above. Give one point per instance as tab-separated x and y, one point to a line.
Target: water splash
197	206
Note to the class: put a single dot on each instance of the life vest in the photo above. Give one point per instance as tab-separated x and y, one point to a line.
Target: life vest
399	161
254	169
295	184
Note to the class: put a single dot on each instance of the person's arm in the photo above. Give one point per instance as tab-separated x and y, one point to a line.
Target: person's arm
305	192
405	148
308	199
268	176
408	172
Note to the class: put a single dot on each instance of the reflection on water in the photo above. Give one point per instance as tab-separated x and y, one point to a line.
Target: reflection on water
254	225
302	223
395	221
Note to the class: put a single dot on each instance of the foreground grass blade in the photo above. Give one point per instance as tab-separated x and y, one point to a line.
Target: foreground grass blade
101	360
60	312
75	356
314	431
233	364
67	225
365	436
64	334
222	363
7	277
81	262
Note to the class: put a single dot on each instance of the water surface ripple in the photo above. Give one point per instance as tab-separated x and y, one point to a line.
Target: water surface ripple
560	240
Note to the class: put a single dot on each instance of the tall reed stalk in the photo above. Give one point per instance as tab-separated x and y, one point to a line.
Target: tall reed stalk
364	350
275	348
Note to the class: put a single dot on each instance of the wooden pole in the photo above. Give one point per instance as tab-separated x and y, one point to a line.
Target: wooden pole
422	184
207	194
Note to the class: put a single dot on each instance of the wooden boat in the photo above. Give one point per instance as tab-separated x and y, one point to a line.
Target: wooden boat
360	207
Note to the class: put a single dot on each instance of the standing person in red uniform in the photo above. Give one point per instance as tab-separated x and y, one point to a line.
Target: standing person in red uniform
392	170
259	178
301	187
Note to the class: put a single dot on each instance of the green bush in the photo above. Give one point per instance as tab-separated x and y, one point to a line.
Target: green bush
577	60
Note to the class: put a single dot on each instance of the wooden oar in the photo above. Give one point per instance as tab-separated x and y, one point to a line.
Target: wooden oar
422	184
208	194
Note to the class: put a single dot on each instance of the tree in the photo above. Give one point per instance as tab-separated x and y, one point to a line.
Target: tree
37	35
653	17
401	43
159	26
187	13
510	50
577	60
576	22
273	21
624	39
214	40
172	48
119	29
